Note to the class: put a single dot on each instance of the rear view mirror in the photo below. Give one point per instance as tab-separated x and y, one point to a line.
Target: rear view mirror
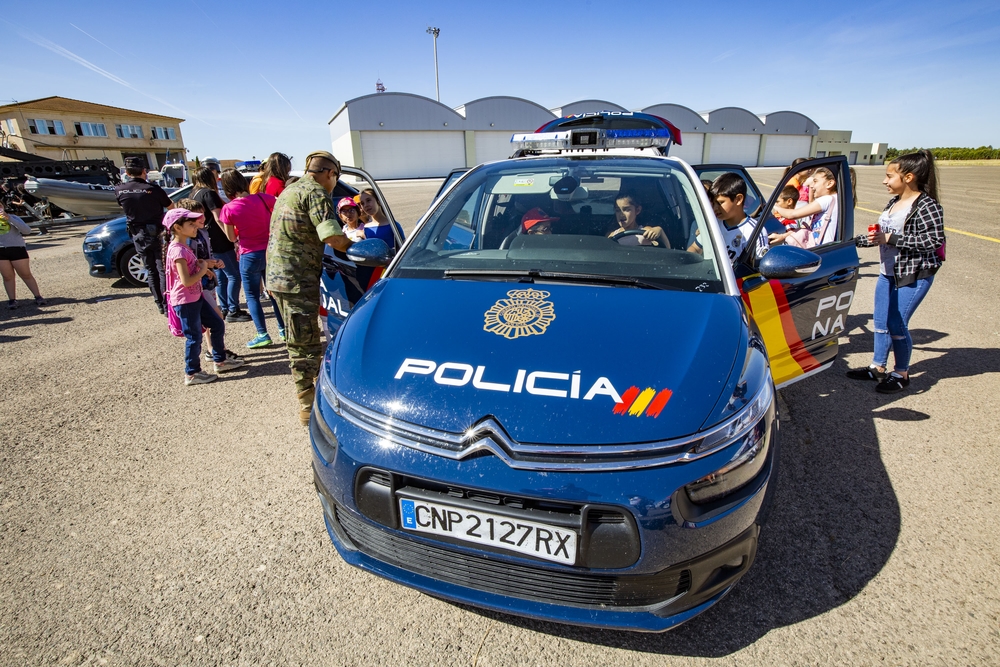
785	261
370	252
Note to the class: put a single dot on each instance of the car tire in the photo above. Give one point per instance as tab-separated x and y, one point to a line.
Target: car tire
131	268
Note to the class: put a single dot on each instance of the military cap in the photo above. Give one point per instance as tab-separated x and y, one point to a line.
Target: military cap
326	155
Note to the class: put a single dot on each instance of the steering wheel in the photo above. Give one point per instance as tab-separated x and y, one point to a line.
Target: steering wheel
630	232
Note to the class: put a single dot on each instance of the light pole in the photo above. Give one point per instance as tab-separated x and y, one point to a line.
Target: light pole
437	86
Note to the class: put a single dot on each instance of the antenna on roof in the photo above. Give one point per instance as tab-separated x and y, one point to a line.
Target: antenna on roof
379	87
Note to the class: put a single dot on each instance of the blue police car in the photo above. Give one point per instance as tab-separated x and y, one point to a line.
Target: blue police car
109	251
555	407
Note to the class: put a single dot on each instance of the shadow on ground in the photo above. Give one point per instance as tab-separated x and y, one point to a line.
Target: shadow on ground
835	520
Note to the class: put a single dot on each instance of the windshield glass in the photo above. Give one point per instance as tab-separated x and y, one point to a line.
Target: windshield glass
595	219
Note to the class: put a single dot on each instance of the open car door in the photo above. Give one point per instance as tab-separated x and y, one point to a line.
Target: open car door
801	317
754	203
343	283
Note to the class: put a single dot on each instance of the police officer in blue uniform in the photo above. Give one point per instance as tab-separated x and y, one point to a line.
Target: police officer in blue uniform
143	204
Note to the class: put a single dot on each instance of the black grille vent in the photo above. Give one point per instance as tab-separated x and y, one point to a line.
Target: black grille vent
601	516
380	477
580	589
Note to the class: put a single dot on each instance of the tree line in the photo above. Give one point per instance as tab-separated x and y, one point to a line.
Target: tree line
981	153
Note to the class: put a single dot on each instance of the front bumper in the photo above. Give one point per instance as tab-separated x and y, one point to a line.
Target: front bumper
99	258
686	558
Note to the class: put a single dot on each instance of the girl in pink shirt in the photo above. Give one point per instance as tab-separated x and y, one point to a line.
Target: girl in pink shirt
246	219
184	272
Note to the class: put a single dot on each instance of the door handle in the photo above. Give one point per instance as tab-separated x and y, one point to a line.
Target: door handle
842	276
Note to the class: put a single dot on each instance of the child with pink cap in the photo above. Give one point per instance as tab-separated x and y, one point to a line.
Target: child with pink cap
184	272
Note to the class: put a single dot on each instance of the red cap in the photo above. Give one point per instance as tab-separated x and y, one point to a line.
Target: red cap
533	217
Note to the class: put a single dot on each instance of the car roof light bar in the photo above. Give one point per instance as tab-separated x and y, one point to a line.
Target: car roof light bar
593	138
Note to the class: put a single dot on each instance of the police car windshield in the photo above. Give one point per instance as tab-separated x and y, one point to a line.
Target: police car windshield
635	218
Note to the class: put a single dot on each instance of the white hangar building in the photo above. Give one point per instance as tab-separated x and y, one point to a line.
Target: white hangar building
400	135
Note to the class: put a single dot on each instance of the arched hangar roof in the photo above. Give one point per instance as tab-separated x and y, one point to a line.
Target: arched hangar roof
586	106
789	122
504	113
734	120
406	111
399	111
686	120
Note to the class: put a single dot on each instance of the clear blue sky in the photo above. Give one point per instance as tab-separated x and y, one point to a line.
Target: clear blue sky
251	78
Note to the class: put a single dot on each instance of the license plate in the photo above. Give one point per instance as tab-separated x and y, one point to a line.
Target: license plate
540	540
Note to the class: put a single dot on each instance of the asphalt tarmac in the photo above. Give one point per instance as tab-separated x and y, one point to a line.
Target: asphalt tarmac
143	522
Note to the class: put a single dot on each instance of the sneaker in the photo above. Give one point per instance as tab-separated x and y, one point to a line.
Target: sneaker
870	373
892	384
238	316
199	378
229	355
12	304
160	308
281	335
228	365
260	340
39	301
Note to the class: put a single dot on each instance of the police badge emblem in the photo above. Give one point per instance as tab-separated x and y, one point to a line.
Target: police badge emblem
525	313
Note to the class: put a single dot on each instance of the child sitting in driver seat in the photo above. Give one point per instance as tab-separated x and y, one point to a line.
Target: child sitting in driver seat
627	210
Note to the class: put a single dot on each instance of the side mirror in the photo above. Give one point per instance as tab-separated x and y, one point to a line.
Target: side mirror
785	261
370	252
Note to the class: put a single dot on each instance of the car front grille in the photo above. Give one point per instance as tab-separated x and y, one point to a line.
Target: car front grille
483	573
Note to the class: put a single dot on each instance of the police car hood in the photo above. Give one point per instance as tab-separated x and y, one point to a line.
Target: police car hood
552	363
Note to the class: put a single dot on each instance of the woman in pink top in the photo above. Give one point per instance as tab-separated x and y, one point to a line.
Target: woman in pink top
246	220
184	272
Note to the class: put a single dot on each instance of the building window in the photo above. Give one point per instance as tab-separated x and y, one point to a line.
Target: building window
820	153
128	131
163	133
91	130
42	126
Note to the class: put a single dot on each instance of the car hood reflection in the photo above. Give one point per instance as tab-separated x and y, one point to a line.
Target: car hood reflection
551	363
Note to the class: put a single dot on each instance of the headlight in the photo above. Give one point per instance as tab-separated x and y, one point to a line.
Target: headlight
92	243
327	390
746	463
324	438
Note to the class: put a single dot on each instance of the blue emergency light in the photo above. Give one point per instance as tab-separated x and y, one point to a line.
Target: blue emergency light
601	130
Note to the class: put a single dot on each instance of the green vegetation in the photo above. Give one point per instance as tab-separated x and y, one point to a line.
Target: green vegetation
981	153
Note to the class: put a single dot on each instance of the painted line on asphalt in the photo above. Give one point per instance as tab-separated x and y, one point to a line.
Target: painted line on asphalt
952	230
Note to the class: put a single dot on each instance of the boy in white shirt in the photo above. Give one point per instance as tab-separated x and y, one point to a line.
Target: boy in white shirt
729	192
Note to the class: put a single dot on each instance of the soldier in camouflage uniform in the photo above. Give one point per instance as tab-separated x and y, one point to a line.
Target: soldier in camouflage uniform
303	221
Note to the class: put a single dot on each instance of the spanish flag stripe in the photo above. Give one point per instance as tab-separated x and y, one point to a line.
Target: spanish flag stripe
767	314
795	345
627	398
642	401
660	402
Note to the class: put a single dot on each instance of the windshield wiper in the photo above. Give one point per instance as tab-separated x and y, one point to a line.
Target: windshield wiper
525	276
601	278
531	275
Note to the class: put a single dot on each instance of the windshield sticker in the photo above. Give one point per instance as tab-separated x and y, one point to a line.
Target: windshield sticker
525	313
524	182
634	402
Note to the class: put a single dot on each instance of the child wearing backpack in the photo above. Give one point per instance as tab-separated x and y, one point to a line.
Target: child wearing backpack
184	272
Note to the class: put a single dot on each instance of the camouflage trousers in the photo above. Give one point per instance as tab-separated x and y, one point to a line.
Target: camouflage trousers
305	350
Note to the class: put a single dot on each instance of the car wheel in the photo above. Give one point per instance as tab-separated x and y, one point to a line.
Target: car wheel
131	268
